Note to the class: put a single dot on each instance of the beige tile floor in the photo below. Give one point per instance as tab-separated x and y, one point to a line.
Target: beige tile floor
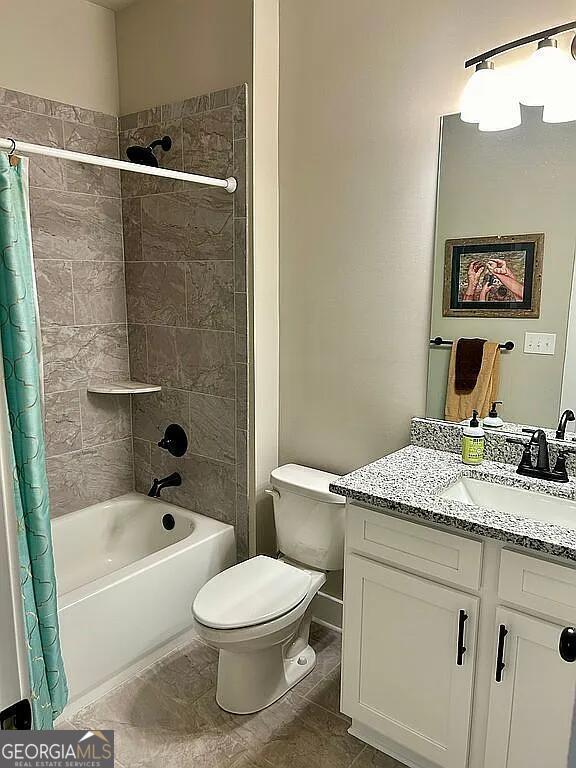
167	717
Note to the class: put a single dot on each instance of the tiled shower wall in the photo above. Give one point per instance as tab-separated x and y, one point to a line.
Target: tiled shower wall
167	257
78	256
185	251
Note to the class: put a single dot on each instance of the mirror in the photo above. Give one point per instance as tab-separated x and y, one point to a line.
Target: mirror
503	268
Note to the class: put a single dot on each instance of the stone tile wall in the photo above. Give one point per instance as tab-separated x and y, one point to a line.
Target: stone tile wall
144	277
76	213
185	252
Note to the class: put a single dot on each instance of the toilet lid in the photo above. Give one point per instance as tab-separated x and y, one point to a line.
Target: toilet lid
253	592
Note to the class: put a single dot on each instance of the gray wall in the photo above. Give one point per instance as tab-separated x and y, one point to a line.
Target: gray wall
78	255
185	249
512	182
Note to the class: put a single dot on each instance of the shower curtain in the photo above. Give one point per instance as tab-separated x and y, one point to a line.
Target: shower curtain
22	396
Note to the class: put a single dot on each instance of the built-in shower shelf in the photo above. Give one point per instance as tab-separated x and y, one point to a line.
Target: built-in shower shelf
124	388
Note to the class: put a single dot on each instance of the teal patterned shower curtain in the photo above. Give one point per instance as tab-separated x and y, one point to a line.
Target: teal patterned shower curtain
21	353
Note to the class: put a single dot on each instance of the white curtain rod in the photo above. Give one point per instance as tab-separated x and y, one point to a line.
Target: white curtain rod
11	145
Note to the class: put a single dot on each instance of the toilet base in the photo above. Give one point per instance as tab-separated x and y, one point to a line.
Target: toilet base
249	682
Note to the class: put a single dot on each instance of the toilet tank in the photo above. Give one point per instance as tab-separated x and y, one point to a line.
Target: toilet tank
309	519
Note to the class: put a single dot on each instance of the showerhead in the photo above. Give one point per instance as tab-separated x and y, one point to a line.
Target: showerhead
142	156
145	155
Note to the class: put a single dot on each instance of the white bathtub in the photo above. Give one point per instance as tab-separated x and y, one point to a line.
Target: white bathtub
126	584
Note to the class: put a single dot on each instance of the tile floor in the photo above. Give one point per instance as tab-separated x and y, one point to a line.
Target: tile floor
167	717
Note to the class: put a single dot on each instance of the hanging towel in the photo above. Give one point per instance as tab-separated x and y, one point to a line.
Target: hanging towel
473	378
469	353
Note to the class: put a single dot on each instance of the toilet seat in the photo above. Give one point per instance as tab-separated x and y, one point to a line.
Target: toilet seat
254	592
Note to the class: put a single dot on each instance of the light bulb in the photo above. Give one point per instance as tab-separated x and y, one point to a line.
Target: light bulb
561	109
503	115
489	101
477	92
560	101
547	69
502	109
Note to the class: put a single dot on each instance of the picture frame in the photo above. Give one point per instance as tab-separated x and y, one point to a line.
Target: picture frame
499	276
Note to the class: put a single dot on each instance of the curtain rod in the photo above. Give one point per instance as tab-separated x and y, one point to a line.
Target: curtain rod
230	184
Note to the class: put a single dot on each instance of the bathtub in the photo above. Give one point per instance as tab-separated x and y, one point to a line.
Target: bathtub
126	584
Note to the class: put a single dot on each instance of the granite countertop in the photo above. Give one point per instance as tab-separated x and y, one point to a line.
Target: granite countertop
409	481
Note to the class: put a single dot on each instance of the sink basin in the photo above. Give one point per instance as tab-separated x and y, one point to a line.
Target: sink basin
516	501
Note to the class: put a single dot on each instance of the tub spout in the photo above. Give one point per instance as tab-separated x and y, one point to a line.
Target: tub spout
166	482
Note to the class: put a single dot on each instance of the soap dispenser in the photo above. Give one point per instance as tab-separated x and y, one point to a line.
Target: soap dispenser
473	441
493	419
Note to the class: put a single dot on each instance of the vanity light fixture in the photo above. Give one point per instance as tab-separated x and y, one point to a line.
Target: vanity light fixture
547	79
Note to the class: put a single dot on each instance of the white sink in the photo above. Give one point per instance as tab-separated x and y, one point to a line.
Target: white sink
516	501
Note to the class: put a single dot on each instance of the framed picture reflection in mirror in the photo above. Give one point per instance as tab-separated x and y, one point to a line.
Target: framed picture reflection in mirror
493	276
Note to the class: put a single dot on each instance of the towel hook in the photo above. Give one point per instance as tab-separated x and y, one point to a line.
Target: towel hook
12	148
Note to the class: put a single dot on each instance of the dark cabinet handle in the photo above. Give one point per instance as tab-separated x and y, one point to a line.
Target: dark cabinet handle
462	619
502	632
567	646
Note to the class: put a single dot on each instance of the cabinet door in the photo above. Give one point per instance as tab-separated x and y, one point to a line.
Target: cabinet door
532	706
405	673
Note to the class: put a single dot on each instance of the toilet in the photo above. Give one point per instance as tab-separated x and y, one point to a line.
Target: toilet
257	613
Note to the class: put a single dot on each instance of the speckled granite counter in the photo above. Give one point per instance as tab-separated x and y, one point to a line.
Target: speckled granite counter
409	481
445	436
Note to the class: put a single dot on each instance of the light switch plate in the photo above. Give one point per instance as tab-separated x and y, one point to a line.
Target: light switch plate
539	343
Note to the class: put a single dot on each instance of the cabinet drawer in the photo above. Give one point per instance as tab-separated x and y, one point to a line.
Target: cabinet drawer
538	585
441	555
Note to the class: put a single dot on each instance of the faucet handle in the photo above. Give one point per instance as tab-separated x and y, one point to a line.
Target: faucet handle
530	430
533	430
175	440
516	441
560	466
526	460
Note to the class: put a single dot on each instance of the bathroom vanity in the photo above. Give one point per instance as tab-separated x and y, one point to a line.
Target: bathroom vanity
459	604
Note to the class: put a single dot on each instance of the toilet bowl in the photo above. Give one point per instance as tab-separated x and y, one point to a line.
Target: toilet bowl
257	613
263	644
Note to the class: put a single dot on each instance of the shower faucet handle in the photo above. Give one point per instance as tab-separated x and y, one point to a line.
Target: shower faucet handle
175	440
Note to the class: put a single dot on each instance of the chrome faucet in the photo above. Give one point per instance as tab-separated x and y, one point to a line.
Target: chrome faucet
542	469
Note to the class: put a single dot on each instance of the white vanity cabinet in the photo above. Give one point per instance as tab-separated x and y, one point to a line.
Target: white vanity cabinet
441	664
532	704
415	644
